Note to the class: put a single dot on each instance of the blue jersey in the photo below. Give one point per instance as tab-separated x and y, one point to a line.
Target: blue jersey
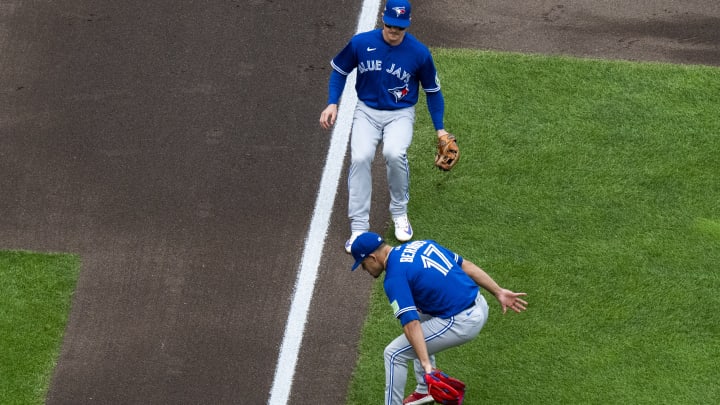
424	276
388	77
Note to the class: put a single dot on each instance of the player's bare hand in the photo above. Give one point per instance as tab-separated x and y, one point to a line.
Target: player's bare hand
328	116
512	300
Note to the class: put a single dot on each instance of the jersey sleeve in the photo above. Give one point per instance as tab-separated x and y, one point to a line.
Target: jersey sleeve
431	84
436	108
345	61
336	85
449	253
398	292
429	76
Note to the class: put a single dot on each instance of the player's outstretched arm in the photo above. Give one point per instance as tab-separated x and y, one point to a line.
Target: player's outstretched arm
506	298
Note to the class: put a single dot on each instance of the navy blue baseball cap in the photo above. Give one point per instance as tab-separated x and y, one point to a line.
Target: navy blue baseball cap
397	13
363	245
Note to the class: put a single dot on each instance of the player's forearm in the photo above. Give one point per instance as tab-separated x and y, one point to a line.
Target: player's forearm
413	332
336	85
480	277
436	108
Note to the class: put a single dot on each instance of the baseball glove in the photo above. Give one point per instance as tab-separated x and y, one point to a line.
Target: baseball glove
448	153
444	389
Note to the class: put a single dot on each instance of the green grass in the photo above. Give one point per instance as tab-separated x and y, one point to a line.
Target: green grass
35	297
593	186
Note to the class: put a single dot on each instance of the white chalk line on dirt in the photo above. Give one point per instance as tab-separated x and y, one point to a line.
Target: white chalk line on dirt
315	241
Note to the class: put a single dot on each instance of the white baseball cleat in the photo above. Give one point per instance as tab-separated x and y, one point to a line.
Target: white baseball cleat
349	242
403	230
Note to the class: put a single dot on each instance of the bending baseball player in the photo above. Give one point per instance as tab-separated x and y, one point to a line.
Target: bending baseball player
435	294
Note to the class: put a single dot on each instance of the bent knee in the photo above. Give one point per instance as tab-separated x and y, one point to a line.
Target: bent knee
388	353
395	157
361	158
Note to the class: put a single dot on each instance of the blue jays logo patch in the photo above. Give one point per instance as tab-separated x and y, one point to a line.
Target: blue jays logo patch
399	11
399	92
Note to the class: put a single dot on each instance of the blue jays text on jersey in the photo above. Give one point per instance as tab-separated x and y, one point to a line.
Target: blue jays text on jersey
423	276
376	65
389	77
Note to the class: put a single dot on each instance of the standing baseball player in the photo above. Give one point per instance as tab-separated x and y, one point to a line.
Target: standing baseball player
391	66
435	294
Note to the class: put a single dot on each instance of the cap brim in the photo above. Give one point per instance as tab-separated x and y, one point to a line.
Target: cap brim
396	22
357	263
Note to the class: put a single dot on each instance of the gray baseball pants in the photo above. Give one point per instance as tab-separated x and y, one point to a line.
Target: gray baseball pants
394	128
440	334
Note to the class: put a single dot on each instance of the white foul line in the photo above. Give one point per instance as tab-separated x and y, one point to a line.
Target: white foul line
315	241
